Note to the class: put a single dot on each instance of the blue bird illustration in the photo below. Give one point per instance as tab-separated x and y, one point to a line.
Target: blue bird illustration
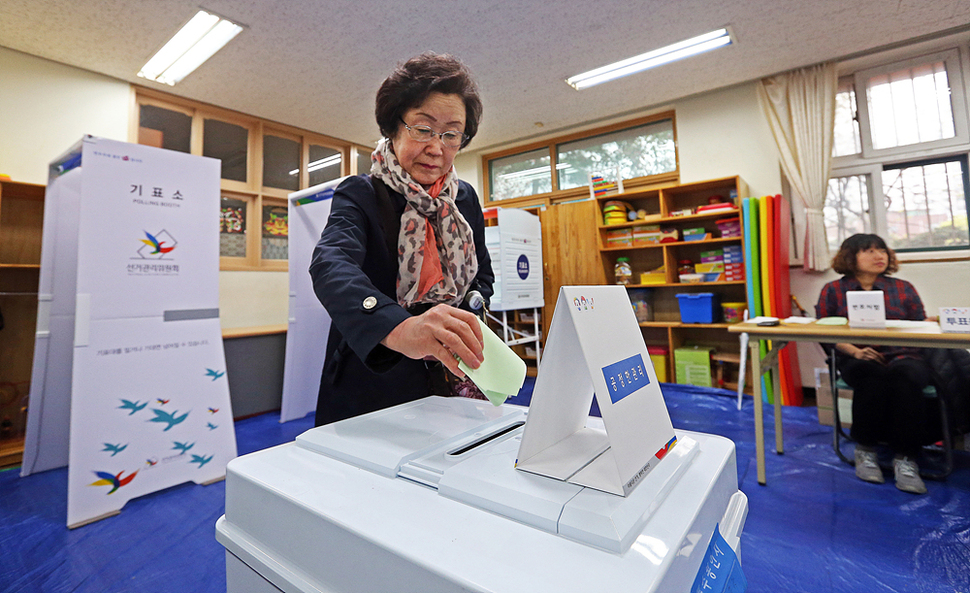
211	426
182	447
133	406
168	417
115	449
214	373
201	459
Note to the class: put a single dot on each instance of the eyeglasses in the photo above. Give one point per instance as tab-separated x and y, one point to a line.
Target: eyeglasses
451	138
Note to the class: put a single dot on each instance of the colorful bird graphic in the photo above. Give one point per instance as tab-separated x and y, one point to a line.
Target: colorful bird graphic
162	402
151	462
115	481
182	447
156	244
201	459
115	449
168	417
214	373
133	406
213	410
211	426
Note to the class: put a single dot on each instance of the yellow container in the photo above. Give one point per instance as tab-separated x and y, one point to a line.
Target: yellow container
734	312
658	356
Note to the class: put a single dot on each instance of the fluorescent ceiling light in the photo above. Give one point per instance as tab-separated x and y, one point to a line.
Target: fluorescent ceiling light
195	42
670	53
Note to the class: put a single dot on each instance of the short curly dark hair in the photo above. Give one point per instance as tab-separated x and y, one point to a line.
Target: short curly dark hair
411	83
844	261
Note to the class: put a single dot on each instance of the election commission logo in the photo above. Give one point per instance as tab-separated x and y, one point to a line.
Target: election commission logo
157	246
154	257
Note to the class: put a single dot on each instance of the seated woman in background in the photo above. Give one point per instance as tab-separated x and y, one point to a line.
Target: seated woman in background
887	381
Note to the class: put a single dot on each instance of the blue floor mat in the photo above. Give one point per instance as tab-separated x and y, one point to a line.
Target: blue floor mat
813	528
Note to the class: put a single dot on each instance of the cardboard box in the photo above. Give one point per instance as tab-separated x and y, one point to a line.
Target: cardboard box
692	365
619	238
709	267
823	399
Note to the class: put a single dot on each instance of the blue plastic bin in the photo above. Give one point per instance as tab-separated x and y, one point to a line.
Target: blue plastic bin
700	307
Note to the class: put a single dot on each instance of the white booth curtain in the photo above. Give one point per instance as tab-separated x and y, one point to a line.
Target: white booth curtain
800	109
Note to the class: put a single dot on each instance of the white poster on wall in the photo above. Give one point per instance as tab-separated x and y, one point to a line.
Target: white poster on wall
308	323
149	399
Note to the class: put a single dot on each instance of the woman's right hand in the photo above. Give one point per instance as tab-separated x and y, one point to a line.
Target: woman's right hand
442	332
868	353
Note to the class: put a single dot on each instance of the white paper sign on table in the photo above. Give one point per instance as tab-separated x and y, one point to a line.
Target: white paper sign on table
866	308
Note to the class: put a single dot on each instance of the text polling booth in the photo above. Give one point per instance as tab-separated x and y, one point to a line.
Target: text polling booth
515	246
149	399
308	322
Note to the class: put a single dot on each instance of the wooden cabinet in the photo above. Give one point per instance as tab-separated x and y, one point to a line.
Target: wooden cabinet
21	229
666	207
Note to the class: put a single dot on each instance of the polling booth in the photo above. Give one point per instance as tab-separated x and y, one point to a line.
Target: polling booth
454	494
129	381
308	323
515	246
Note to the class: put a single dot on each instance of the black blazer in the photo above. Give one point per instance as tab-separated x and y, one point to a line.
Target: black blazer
355	276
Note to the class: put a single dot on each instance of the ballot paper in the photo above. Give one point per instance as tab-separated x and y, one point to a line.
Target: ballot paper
501	374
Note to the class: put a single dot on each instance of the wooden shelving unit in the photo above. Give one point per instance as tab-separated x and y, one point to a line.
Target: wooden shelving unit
21	230
660	205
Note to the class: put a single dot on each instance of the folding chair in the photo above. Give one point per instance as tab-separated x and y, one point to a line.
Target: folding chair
929	392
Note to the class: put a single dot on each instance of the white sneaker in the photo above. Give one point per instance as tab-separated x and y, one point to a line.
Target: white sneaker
907	476
867	466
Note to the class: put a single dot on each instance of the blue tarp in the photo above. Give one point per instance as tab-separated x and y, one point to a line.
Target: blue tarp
813	528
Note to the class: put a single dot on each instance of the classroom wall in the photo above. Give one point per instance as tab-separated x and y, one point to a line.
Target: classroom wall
45	107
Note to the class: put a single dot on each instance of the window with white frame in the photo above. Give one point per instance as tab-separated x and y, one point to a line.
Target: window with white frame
900	150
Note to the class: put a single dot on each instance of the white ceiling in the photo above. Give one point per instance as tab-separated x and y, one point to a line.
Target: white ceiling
317	65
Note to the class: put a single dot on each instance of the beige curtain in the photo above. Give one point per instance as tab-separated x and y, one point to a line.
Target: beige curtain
800	109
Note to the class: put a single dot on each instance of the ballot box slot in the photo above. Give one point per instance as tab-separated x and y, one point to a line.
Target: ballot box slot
487	438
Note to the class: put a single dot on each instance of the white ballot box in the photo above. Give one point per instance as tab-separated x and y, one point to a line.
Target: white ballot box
425	497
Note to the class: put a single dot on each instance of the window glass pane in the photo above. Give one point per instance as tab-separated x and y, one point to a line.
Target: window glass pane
232	228
846	209
228	143
638	152
847	139
275	232
525	174
363	161
281	162
909	106
926	205
164	128
324	164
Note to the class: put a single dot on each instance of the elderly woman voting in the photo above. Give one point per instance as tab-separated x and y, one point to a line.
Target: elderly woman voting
403	248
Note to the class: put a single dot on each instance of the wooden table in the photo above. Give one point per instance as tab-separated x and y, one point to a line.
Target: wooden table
917	334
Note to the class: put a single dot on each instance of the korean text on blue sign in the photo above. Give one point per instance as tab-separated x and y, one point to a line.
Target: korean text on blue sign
720	570
625	377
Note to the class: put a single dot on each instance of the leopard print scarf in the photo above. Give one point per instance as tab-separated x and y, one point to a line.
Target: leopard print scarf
442	273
